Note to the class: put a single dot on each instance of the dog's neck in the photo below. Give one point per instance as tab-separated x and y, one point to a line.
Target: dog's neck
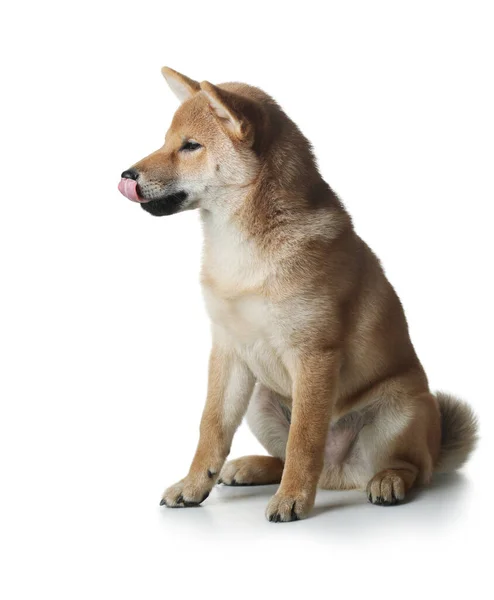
283	199
271	219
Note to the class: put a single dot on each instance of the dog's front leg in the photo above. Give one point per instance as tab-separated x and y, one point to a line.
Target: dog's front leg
314	382
230	387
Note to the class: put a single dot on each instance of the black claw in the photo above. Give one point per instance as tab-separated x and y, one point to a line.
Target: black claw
380	501
293	514
235	483
180	499
204	497
163	502
219	481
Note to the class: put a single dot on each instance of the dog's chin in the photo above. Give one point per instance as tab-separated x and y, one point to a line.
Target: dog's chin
168	205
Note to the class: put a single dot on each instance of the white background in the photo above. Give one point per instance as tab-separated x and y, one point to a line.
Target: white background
104	338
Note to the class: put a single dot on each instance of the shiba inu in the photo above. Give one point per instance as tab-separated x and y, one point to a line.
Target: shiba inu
310	340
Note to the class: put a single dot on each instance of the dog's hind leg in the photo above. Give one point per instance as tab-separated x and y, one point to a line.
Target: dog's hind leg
252	470
407	457
390	486
269	421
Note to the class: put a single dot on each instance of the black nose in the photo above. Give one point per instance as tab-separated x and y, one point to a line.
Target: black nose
130	174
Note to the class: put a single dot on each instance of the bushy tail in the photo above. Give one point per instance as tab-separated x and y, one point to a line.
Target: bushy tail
459	431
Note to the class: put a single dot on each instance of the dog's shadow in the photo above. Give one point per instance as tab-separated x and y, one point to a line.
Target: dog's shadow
345	514
430	506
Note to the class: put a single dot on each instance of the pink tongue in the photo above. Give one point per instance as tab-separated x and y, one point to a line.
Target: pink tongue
128	187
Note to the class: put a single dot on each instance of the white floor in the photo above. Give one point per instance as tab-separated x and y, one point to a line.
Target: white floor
103	541
338	517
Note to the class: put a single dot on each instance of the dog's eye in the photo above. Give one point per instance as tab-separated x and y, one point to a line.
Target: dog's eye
189	146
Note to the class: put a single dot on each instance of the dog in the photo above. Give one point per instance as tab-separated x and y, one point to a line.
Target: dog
310	341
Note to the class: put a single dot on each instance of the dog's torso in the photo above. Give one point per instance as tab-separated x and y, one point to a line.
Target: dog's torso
269	306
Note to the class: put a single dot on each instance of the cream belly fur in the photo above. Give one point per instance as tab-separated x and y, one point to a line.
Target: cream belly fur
353	445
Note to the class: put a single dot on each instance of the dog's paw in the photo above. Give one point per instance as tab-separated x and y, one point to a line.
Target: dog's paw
283	507
185	493
234	474
386	488
252	470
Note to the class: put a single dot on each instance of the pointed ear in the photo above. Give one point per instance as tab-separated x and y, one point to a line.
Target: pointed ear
231	109
183	87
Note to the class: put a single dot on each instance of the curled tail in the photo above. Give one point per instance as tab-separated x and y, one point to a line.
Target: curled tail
459	432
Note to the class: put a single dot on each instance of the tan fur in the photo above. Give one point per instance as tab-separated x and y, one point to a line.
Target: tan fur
459	432
252	470
298	304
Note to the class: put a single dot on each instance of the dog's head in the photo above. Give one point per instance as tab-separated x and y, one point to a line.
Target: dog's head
209	149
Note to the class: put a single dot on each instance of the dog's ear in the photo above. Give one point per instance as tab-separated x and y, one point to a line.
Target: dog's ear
234	112
183	87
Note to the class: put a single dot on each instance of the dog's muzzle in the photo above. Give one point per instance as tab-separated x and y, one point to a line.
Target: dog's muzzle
159	207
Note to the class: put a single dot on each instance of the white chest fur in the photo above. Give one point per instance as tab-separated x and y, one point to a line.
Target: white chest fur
248	324
243	317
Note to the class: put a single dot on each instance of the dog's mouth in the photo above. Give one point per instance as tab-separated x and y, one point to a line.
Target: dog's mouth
165	206
158	207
